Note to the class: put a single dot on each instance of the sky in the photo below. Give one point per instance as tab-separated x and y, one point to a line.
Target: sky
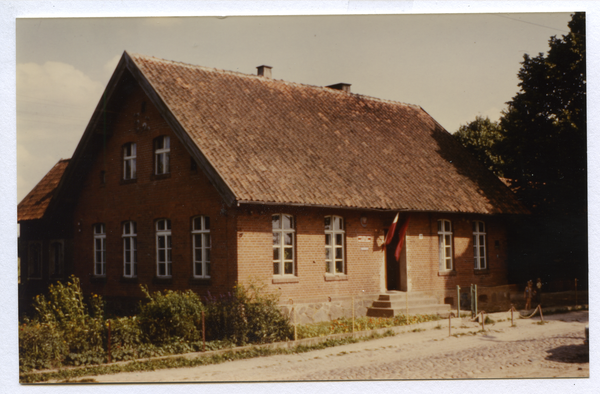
456	67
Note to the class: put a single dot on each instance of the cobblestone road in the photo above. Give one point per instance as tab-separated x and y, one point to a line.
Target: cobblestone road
529	350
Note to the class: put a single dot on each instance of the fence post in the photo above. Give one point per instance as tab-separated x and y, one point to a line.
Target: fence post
203	333
575	293
109	351
458	301
475	300
541	314
352	314
482	321
295	325
512	321
450	324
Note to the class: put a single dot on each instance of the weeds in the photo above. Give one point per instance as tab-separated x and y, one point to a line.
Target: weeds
344	325
182	362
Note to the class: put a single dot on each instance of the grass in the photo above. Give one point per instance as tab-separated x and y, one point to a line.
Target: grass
68	375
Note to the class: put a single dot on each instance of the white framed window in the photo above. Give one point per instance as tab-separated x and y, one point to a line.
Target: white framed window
34	265
283	244
445	244
99	249
57	258
129	249
163	248
129	161
162	149
201	245
334	245
479	244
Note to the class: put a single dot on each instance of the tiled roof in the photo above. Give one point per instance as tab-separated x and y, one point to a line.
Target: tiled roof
273	141
34	205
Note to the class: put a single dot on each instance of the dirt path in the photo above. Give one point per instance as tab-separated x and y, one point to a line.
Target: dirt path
530	350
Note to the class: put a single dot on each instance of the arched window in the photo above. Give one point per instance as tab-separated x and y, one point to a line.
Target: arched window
99	249
283	244
163	248
129	249
201	245
335	262
57	259
162	150
129	161
479	245
445	244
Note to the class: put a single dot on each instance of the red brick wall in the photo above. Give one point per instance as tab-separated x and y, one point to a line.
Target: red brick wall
364	268
178	197
422	254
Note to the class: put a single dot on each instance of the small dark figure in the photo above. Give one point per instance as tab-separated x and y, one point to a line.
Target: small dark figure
528	294
539	291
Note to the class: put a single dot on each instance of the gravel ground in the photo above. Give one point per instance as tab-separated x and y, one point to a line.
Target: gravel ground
529	350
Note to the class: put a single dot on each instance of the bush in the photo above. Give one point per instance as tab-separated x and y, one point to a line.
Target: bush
40	346
62	330
172	314
246	316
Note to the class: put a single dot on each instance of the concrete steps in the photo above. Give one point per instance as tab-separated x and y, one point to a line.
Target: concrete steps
394	303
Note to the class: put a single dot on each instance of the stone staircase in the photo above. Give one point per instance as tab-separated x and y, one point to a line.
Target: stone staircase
393	303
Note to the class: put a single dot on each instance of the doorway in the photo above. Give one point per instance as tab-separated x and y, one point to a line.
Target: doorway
396	273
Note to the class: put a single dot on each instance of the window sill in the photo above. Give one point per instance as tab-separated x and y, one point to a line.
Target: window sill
285	280
200	281
485	271
447	273
163	280
128	181
98	279
335	277
158	177
128	279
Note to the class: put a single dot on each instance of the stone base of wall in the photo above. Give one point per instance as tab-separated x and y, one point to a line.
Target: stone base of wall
317	310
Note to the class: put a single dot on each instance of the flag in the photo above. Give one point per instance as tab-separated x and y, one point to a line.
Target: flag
392	230
401	240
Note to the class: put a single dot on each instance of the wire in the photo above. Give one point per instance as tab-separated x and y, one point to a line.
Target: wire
536	24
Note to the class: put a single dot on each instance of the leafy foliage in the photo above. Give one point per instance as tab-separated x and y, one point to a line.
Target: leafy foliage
481	137
540	142
248	315
172	314
62	331
544	127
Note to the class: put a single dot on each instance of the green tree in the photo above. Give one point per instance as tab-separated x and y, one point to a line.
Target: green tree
543	130
481	137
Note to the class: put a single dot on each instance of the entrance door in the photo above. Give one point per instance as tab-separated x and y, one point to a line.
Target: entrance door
392	267
396	272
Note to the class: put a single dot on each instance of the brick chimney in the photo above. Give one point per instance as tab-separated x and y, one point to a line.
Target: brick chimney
264	71
341	86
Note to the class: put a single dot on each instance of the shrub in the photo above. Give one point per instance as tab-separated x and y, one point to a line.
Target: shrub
172	314
62	330
246	316
40	346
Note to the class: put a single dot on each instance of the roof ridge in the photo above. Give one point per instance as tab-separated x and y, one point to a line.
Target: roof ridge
261	78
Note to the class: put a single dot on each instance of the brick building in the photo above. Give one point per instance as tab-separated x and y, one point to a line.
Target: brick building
194	178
